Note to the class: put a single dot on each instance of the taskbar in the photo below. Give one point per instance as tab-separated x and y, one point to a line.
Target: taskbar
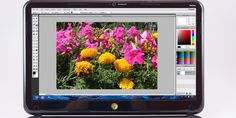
102	98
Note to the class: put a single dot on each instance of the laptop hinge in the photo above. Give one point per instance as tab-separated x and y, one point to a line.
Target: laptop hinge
190	115
37	116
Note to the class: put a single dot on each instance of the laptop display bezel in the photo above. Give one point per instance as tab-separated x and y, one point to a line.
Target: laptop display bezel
60	107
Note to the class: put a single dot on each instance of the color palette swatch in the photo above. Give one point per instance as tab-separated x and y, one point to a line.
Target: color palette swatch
186	37
185	57
192	37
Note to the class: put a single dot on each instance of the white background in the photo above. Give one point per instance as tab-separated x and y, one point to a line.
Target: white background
220	59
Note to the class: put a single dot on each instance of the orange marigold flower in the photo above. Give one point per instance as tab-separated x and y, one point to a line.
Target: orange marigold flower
83	68
122	65
126	84
106	58
88	53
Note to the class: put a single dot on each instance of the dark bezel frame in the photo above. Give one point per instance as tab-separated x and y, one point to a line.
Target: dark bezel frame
153	107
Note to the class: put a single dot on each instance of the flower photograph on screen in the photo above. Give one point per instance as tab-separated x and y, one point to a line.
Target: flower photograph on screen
107	55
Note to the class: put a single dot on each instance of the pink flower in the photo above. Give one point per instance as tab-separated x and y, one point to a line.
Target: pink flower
104	36
118	34
147	37
154	62
133	32
89	23
66	41
87	31
69	33
66	45
134	56
60	34
91	45
106	40
106	44
77	59
127	47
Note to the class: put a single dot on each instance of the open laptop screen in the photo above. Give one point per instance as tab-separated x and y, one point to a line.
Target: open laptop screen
113	53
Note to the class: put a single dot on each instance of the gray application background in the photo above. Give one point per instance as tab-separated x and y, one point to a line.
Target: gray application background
47	54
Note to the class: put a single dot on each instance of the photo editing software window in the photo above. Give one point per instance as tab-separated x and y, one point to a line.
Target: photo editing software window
113	51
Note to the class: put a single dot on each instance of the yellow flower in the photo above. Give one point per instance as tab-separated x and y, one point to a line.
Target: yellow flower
95	38
155	35
122	65
88	53
106	58
110	40
101	36
83	68
148	48
126	84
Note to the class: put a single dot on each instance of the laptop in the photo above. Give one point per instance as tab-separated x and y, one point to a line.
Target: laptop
124	58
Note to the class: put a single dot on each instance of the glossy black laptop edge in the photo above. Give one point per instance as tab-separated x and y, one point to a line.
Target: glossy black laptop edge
114	3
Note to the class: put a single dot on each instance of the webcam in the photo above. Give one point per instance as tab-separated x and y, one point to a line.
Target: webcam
113	4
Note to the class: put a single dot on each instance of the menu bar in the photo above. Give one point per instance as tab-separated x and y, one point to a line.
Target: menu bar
113	11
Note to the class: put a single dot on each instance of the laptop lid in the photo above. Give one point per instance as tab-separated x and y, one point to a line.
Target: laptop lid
132	57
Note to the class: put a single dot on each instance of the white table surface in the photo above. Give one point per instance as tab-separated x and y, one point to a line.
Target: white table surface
220	59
